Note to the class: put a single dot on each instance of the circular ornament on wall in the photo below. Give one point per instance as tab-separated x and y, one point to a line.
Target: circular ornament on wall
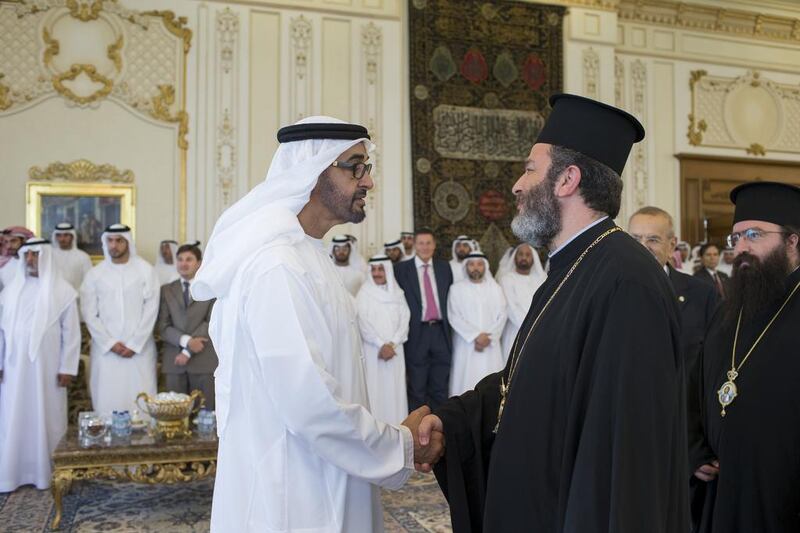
451	200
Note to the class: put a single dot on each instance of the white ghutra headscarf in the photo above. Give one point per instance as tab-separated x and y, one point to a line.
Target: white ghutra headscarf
267	214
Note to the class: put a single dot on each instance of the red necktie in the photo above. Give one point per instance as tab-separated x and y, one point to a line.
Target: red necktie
431	312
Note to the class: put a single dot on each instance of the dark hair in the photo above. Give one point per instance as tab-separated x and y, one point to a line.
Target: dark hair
705	247
600	186
424	231
792	230
191	248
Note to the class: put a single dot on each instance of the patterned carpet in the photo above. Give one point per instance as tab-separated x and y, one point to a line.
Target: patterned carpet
94	506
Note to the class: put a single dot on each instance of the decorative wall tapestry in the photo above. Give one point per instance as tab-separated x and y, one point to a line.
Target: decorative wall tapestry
481	74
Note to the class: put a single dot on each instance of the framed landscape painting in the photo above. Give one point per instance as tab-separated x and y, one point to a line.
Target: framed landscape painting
89	207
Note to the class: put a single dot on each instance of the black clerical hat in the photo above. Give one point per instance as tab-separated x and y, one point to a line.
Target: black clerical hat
768	201
597	130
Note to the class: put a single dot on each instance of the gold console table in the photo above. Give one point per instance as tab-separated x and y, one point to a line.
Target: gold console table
140	458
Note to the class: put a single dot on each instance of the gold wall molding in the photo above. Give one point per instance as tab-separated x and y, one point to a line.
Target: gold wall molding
81	171
735	22
749	112
72	74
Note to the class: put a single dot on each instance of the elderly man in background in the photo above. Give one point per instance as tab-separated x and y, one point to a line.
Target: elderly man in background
13	238
383	317
40	343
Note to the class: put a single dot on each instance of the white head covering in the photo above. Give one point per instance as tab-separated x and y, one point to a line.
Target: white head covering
341	240
52	298
266	214
64	228
487	277
356	259
505	259
123	231
389	293
393	244
173	247
510	265
463	238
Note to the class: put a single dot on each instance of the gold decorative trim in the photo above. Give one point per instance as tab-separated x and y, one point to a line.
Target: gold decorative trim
75	71
53	47
756	149
695	133
712	19
175	25
161	111
84	11
81	170
114	55
5	95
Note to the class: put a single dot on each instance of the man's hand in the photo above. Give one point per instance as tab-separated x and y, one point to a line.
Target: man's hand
64	380
122	350
708	472
118	348
482	341
427	450
386	352
197	344
181	359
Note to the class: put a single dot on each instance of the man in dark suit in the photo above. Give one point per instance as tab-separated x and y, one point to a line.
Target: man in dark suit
188	359
697	300
426	282
709	259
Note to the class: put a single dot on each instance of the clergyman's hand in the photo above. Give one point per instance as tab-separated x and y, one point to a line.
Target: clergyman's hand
431	438
708	472
429	453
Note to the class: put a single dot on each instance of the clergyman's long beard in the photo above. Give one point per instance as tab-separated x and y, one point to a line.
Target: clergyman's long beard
540	219
757	286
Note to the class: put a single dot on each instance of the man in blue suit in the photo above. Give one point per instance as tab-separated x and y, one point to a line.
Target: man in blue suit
426	282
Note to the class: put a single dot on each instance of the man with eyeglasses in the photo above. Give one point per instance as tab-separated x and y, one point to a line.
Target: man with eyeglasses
653	227
299	449
749	456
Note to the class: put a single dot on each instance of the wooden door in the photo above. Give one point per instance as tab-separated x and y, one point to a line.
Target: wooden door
706	184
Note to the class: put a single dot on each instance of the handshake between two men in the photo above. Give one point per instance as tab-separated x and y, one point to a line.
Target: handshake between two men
428	433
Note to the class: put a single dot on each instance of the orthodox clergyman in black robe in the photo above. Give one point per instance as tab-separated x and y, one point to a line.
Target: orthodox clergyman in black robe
592	432
751	454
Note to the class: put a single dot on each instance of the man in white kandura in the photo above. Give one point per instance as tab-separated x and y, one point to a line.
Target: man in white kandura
40	341
462	247
407	238
476	309
73	262
383	318
523	276
119	303
166	262
298	448
344	259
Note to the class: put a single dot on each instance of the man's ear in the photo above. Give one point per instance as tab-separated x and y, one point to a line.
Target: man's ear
568	182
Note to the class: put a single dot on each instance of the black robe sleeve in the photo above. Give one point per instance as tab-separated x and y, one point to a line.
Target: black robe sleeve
468	422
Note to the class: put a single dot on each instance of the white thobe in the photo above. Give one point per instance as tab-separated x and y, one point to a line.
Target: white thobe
166	273
382	322
8	271
119	303
33	408
458	270
518	290
472	309
298	449
73	265
406	256
352	278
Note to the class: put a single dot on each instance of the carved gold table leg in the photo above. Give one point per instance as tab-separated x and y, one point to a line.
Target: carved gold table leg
62	480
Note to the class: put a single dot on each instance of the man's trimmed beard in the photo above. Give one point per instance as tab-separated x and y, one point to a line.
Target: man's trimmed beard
342	206
757	287
540	219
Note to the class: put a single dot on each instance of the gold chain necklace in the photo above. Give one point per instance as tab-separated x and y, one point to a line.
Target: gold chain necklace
728	392
505	388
